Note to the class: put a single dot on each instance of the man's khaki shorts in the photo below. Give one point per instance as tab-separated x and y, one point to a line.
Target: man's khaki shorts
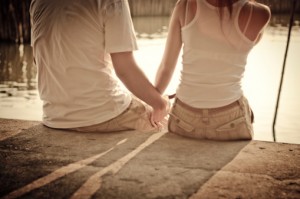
135	117
231	122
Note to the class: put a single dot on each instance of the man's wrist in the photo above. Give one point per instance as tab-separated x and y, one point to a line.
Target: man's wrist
161	105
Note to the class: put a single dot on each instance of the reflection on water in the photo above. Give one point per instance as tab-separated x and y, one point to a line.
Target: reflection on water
18	94
19	97
151	27
16	68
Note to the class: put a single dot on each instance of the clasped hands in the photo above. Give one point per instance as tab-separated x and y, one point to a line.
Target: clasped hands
159	117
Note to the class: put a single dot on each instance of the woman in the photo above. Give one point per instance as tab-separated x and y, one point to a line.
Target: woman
217	36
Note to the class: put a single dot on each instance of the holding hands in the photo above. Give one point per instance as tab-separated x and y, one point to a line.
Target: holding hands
159	116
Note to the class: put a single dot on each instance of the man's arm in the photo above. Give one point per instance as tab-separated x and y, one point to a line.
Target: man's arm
135	80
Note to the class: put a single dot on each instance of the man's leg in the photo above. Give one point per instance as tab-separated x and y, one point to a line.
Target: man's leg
135	117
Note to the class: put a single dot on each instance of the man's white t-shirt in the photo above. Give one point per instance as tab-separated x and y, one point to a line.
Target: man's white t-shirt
72	41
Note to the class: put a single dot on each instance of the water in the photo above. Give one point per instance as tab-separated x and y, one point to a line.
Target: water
19	98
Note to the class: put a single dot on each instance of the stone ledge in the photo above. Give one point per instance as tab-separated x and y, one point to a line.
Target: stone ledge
38	162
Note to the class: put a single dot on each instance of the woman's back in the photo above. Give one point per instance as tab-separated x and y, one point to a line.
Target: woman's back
258	19
216	46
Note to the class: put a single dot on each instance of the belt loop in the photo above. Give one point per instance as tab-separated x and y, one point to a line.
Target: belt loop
175	102
241	102
205	116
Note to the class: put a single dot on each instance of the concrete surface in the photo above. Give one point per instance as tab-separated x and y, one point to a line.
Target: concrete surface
38	162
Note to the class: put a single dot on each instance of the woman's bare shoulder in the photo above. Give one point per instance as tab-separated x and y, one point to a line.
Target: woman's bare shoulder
261	12
256	20
179	10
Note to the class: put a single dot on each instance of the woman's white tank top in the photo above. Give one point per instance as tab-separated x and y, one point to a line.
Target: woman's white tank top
214	57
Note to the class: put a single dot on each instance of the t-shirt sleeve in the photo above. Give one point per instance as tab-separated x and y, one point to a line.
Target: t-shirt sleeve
119	30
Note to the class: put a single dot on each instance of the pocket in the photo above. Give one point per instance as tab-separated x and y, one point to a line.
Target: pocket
176	124
237	129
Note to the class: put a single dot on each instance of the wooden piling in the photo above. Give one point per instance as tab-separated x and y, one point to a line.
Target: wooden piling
15	21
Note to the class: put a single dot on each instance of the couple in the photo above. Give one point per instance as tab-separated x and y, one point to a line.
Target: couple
81	47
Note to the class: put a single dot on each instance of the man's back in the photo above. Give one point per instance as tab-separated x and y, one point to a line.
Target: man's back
71	41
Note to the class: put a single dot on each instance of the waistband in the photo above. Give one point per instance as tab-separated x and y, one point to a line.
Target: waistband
200	110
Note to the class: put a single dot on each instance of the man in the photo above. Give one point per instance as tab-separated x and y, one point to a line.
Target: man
78	46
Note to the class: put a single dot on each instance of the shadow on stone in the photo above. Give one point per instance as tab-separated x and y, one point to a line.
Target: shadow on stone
171	167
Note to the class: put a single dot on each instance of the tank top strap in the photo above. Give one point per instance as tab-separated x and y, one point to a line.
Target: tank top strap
239	5
237	9
186	12
249	19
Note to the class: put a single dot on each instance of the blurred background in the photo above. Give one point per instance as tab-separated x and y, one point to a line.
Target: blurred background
18	87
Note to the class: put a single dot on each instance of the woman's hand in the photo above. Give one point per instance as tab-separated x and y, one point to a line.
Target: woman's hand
159	117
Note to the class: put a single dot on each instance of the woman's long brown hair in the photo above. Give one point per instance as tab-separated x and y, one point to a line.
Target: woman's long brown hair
225	3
